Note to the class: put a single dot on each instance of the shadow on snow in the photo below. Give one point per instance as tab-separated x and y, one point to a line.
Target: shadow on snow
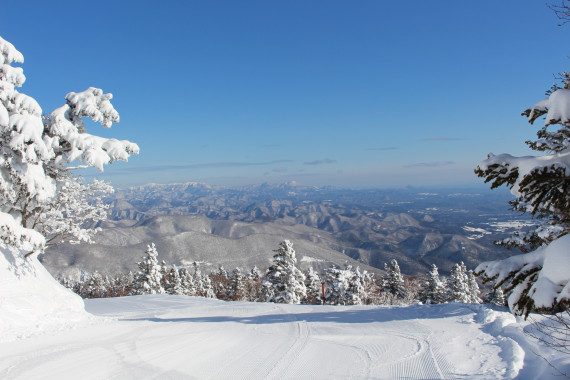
380	314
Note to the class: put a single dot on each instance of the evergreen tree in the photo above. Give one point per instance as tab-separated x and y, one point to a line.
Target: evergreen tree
356	291
344	286
173	283
220	282
496	297
148	279
393	282
165	279
433	290
97	286
122	285
474	292
37	154
283	282
372	290
458	285
187	282
198	280
336	286
541	185
236	286
314	287
208	289
253	284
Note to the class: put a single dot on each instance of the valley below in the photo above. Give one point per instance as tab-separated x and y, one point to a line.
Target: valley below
240	227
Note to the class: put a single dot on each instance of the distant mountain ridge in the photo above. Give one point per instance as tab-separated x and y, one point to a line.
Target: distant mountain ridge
240	226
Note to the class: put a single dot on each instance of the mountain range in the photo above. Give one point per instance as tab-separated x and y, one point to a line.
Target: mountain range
233	227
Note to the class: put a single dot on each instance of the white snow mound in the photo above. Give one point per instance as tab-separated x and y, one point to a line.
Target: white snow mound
31	300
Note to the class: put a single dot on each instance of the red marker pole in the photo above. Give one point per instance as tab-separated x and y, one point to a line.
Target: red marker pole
323	284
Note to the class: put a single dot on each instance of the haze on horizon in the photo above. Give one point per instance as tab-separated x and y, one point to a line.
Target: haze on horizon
373	94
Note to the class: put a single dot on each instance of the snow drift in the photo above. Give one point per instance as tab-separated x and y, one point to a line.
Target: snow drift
31	300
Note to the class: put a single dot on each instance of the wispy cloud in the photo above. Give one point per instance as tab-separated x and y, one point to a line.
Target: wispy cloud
383	148
440	139
320	162
431	164
280	170
206	165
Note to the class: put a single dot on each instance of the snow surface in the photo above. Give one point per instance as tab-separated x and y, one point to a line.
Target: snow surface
180	337
31	301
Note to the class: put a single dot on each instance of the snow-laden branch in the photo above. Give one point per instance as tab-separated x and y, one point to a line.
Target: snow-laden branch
12	233
540	278
555	107
74	143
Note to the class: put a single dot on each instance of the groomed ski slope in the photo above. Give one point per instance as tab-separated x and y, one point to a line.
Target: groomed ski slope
178	337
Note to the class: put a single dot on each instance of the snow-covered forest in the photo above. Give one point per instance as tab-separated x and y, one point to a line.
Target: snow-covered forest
168	321
283	282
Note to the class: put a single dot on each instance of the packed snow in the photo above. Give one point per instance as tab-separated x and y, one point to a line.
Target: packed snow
162	336
32	301
48	332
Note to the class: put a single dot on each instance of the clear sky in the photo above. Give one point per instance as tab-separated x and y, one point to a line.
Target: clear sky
349	93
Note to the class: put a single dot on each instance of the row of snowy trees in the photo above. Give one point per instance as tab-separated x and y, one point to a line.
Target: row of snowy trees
283	282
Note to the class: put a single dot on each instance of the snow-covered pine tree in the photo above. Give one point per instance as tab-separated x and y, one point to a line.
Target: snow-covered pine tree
433	290
236	286
219	282
336	286
283	282
187	282
458	285
372	290
495	297
253	285
474	292
208	291
96	286
165	280
37	151
313	283
393	282
541	185
199	280
344	286
148	279
174	282
356	291
122	285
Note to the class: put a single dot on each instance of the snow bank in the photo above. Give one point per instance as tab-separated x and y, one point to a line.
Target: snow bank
31	300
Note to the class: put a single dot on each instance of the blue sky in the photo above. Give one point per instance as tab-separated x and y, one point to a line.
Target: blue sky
357	94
